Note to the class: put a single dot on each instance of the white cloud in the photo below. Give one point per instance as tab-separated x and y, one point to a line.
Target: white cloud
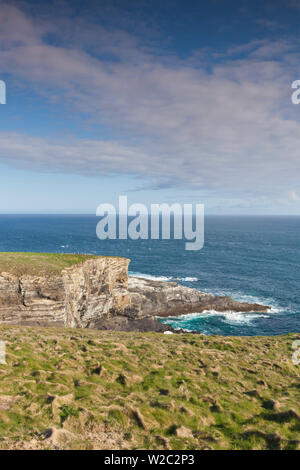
232	128
82	156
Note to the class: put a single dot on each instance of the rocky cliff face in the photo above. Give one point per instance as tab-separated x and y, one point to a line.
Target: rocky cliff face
75	298
99	294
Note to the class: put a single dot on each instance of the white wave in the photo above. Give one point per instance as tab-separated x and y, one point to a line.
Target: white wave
236	295
150	276
162	278
240	297
236	318
183	329
230	317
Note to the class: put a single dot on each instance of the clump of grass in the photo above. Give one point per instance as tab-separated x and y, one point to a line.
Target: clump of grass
66	412
117	390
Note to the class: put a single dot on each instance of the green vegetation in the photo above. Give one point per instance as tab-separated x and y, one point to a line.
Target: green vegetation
66	411
39	264
85	389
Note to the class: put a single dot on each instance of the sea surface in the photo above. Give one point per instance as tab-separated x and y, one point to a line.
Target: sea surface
253	259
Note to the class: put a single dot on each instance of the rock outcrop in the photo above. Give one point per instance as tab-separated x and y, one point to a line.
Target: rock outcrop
99	294
148	298
75	298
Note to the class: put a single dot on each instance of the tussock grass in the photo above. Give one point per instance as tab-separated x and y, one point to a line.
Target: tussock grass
85	389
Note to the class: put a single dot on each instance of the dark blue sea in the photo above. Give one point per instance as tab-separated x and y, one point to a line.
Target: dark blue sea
252	259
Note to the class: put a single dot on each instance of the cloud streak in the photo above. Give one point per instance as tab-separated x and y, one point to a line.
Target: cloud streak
170	120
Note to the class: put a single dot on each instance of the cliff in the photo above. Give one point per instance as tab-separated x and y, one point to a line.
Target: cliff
98	293
76	297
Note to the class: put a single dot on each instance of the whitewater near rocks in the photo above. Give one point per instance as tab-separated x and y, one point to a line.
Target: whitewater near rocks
98	293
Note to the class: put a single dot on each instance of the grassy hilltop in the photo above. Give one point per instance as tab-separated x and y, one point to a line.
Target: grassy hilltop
85	389
40	264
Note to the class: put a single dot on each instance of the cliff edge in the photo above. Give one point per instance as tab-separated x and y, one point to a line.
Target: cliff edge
97	293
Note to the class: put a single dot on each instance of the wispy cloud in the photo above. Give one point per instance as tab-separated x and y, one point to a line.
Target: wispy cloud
170	120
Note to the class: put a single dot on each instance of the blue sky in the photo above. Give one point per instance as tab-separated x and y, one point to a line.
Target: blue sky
163	101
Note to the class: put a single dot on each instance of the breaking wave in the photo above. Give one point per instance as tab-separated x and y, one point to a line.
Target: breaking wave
189	321
163	278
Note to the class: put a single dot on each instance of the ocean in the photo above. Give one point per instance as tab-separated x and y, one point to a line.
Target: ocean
251	258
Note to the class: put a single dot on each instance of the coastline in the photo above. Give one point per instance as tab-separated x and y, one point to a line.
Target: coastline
96	292
251	259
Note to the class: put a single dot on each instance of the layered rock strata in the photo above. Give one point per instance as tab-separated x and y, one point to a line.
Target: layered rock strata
99	294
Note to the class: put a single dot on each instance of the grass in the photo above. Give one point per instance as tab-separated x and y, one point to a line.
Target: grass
39	264
85	389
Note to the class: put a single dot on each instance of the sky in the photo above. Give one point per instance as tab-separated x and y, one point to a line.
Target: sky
173	101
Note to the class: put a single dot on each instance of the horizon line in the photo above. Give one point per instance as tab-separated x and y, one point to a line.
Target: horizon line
93	214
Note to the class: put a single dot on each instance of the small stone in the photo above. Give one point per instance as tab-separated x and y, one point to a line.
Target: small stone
184	432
